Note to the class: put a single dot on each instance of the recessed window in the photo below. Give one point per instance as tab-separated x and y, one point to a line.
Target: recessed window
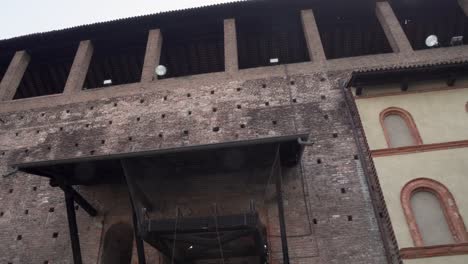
432	214
442	18
430	219
399	128
270	38
193	49
117	59
47	71
348	34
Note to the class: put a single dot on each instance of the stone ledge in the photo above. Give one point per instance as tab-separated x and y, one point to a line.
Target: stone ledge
434	251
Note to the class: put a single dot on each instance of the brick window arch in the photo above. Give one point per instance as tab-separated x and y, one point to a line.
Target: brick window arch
447	203
399	128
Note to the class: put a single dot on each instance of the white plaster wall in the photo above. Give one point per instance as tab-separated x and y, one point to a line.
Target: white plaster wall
439	115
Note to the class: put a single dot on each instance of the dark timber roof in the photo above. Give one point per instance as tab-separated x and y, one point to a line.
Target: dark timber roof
448	70
166	20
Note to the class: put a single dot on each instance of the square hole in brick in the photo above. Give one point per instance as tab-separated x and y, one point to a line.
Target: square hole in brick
314	221
34	188
325	117
212	92
214	109
215	129
2	213
343	190
26	212
323	97
335	135
186	132
19	237
319	161
356	157
55	235
10	191
51	209
239	106
350	218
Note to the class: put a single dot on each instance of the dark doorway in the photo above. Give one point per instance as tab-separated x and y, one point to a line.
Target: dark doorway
118	244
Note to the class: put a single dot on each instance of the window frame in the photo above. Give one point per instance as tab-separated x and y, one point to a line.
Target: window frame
406	116
447	202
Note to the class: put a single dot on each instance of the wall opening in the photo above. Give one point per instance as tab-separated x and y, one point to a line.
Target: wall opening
270	38
118	244
421	18
117	59
348	34
190	49
431	220
47	71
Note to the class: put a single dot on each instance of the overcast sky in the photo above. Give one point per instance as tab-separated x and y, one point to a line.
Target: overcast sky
21	17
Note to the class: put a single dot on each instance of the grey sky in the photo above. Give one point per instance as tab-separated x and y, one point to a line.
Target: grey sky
21	17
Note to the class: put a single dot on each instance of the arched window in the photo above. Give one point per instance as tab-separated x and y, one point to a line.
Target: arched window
432	214
118	245
399	128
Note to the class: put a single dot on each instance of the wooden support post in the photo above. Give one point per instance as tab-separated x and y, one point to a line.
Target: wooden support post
282	222
71	215
79	68
231	60
392	28
81	201
139	242
12	78
152	55
312	36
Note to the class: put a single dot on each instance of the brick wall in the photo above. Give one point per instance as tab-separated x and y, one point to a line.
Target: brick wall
330	218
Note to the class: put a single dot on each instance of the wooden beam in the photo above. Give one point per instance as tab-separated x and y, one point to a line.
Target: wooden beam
79	69
392	28
152	55
12	78
231	63
312	36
